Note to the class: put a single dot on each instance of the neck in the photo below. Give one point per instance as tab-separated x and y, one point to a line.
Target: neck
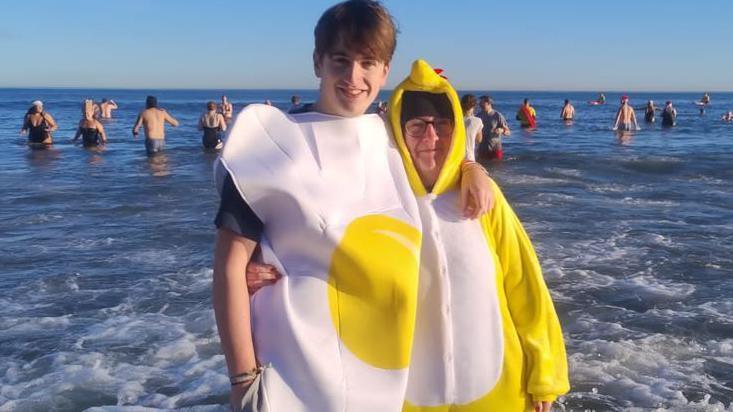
318	106
428	187
428	181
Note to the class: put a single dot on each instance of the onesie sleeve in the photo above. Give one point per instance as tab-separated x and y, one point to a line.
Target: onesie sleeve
529	302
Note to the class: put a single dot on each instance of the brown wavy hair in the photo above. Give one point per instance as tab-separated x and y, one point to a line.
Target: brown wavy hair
363	25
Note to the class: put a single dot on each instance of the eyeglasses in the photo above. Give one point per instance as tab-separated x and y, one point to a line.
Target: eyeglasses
417	127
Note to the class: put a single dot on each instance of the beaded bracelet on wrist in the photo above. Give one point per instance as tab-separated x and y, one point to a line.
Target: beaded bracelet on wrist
245	377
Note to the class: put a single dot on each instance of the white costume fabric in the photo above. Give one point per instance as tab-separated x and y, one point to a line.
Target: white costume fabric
342	226
458	310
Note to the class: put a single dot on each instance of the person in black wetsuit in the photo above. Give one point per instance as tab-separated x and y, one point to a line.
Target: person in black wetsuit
212	123
649	112
39	125
669	115
90	129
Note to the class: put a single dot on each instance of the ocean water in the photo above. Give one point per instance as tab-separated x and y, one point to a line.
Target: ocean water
106	257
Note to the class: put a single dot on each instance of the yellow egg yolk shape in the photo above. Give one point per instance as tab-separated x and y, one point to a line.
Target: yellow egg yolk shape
372	294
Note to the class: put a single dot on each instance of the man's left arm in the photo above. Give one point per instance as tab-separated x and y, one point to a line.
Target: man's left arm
138	124
504	125
170	119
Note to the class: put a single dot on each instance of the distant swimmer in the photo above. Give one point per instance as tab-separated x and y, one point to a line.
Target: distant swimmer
494	127
212	123
90	129
704	101
568	111
226	109
625	117
106	108
39	125
600	100
649	112
295	104
153	119
728	117
527	116
474	125
669	115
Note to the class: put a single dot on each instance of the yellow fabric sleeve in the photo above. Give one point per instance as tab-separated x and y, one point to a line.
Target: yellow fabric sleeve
529	302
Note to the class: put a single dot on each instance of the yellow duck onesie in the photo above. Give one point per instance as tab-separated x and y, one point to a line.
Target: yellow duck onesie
487	337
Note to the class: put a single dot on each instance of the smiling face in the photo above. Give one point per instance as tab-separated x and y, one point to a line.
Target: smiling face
428	139
350	81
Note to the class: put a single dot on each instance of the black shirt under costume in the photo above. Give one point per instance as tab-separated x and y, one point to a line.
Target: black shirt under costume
236	215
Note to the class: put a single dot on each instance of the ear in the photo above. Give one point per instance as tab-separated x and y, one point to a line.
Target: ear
316	64
385	74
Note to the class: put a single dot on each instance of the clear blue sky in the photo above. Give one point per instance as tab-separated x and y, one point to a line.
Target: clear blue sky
624	45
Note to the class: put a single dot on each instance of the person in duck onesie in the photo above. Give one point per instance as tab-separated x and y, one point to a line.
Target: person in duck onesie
487	337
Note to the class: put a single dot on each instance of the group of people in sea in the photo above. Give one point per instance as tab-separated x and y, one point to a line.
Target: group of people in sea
485	127
39	124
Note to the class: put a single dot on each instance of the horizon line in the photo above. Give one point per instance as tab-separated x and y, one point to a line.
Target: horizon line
384	89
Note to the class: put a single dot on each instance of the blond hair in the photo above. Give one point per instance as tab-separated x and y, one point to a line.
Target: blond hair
87	109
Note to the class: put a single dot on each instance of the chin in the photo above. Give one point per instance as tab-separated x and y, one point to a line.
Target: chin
351	109
427	167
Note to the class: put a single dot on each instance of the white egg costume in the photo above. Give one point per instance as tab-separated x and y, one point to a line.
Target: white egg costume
486	335
342	226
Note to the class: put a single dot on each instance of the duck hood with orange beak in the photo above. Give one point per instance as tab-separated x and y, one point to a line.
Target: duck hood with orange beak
486	333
